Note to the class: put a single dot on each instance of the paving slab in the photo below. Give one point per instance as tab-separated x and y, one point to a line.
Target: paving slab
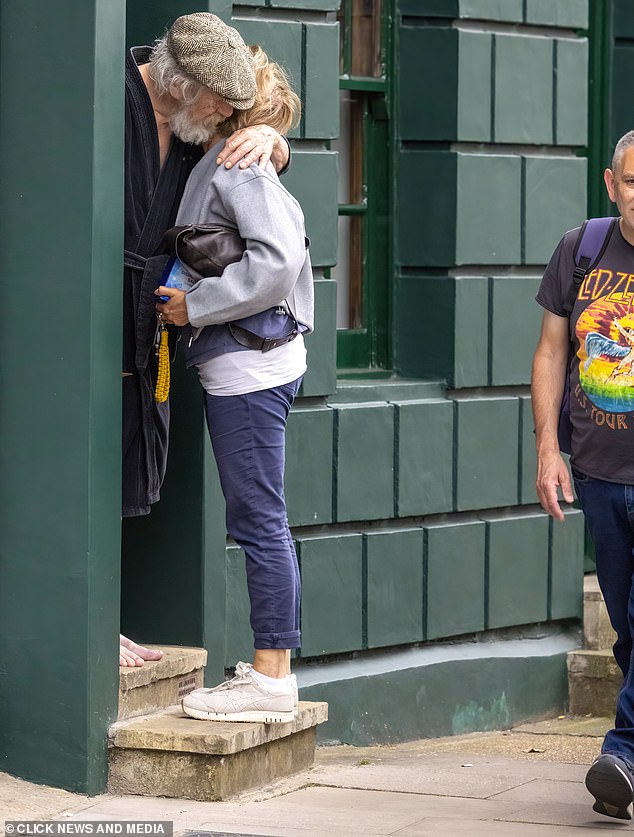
22	800
335	811
471	776
486	828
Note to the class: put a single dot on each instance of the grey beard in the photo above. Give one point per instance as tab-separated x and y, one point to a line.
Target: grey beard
189	131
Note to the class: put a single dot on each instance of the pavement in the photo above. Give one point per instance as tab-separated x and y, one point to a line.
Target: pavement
526	781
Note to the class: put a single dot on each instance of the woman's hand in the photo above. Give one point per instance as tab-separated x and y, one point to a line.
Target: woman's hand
173	312
256	143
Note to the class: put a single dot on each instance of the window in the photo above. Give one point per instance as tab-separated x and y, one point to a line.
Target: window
362	270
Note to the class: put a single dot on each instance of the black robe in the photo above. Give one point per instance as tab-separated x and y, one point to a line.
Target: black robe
152	196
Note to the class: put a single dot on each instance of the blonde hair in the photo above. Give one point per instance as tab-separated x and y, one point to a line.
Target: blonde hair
276	103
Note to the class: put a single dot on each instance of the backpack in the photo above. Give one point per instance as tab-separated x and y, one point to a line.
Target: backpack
590	246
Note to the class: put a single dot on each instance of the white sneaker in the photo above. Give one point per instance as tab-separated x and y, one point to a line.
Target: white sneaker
293	680
243	698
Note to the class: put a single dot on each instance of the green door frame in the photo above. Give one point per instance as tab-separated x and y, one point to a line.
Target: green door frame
601	36
61	246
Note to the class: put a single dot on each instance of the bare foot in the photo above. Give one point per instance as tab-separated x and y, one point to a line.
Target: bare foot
132	654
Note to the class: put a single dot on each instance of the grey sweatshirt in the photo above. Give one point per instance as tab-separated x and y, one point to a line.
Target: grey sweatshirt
275	265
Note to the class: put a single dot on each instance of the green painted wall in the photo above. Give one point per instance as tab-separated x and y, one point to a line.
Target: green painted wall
61	248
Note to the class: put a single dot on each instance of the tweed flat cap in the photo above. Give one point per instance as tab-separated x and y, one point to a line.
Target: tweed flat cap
215	55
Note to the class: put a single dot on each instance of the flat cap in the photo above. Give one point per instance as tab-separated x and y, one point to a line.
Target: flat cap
215	55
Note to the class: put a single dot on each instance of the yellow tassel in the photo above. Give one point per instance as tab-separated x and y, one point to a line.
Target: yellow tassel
162	389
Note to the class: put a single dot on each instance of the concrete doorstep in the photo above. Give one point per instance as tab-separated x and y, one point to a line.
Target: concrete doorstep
527	781
169	754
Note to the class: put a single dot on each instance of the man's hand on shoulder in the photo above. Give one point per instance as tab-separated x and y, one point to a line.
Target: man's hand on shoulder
257	143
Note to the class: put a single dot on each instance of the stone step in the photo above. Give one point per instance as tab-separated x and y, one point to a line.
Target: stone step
170	754
598	633
157	685
594	680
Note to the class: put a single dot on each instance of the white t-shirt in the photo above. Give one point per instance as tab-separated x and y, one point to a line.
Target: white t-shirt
237	373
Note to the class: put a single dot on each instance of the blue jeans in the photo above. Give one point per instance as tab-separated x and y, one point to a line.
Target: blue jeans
247	435
609	512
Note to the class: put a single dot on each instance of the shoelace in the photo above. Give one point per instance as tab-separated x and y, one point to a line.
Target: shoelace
242	675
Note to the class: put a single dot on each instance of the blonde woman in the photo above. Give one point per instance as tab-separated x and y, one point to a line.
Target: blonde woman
244	334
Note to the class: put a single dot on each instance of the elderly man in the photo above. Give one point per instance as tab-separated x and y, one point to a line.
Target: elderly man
176	94
586	332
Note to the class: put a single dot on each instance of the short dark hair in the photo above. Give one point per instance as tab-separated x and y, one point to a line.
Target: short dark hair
626	141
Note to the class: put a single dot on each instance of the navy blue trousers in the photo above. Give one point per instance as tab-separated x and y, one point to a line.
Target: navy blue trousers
609	512
247	435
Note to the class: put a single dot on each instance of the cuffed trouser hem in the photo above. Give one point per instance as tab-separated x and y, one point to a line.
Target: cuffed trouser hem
285	641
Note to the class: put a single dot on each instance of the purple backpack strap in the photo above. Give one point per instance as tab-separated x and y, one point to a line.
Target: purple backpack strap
591	243
592	240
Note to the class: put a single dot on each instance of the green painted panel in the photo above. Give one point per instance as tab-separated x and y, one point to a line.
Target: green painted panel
158	605
471	332
424	456
487	452
478	686
332	618
567	566
325	5
571	118
528	454
523	112
222	8
488	225
474	87
556	200
282	41
433	8
455	578
321	108
427	110
147	20
309	451
623	18
395	587
515	324
237	629
510	10
517	570
321	345
312	179
425	303
364	470
566	13
427	238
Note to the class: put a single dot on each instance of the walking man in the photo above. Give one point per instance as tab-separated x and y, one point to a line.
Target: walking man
587	335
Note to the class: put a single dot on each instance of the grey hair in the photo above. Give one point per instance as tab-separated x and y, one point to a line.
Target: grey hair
168	76
626	141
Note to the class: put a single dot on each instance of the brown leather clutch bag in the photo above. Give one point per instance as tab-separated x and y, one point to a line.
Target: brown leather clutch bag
205	249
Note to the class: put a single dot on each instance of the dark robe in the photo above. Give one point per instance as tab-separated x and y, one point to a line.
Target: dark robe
152	196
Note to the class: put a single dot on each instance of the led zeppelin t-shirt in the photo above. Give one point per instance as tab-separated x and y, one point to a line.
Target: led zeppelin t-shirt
602	366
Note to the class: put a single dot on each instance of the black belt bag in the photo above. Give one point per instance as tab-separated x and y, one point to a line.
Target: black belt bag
251	340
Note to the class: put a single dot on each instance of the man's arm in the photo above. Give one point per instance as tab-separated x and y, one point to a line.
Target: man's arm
547	385
256	143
